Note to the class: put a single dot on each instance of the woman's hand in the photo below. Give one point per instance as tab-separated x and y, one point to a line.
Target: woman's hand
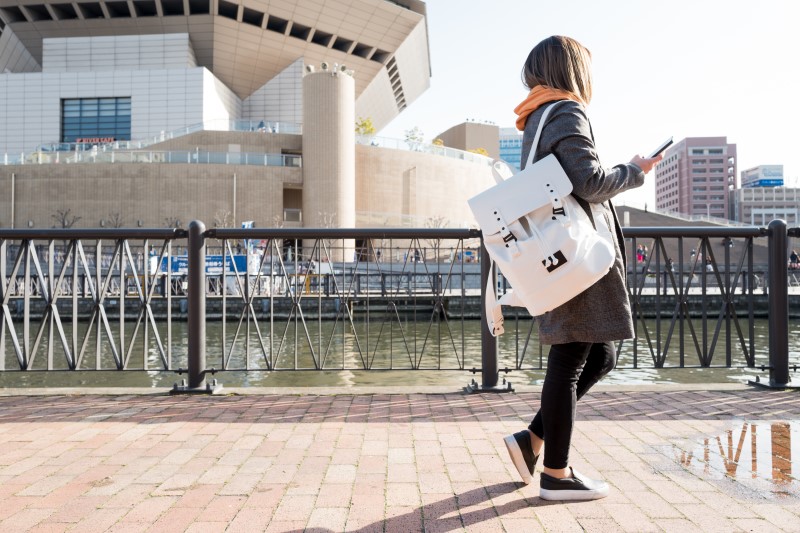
646	163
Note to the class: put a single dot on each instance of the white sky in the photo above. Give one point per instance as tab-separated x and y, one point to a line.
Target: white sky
681	68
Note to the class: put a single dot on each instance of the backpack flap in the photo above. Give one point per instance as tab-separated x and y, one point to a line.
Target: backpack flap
520	194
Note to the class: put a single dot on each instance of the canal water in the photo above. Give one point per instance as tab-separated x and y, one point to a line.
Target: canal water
399	352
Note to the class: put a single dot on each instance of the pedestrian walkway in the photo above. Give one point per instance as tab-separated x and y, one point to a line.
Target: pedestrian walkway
677	460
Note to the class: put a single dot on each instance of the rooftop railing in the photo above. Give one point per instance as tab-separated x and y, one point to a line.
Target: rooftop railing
134	151
210	125
422	147
361	299
200	157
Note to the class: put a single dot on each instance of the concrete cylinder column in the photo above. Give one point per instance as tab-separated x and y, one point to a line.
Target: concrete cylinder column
329	165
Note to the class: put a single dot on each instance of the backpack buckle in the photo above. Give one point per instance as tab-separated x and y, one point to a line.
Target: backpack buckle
509	237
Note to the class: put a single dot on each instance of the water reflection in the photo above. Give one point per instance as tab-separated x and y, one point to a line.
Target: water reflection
762	455
336	346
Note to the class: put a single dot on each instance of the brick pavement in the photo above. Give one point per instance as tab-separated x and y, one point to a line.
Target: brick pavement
677	460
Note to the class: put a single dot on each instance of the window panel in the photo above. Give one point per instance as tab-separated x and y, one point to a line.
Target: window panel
96	117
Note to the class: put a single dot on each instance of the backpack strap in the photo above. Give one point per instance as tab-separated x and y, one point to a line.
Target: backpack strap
539	129
494	309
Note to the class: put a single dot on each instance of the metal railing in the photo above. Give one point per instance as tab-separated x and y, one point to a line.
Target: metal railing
423	147
209	125
71	276
388	299
199	157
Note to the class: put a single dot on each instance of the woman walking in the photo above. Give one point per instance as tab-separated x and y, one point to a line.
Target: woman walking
582	331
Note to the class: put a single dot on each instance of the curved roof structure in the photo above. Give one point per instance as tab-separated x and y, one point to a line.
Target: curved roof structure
246	43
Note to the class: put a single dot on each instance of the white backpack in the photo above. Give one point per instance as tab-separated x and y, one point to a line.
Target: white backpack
539	236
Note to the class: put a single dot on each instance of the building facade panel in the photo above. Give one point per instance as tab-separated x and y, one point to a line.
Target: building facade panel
280	99
14	57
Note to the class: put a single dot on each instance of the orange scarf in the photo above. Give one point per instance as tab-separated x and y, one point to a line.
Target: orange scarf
541	94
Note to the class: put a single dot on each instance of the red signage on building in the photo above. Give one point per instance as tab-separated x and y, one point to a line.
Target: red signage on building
95	140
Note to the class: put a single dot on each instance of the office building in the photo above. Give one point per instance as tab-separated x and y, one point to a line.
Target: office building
511	146
698	177
761	205
763	176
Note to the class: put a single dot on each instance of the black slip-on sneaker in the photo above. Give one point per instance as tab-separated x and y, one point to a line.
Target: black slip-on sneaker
521	451
575	488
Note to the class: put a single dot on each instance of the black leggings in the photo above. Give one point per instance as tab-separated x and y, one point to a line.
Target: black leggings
572	369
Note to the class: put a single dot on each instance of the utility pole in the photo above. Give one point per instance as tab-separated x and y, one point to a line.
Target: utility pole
13	194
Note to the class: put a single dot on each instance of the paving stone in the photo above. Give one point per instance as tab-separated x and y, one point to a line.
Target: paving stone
386	462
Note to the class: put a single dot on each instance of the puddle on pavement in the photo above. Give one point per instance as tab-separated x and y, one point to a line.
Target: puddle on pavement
764	456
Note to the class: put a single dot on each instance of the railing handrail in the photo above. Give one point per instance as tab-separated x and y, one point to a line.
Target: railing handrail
110	234
694	231
192	157
341	233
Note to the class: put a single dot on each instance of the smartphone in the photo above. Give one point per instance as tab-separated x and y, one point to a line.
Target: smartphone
663	146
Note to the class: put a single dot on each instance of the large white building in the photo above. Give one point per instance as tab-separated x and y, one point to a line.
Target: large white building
155	112
182	63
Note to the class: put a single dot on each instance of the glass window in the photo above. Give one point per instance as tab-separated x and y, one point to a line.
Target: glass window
95	120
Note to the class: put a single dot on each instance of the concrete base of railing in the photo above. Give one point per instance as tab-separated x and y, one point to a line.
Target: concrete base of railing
791	385
474	387
212	387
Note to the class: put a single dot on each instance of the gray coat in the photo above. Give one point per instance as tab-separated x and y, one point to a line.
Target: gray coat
602	312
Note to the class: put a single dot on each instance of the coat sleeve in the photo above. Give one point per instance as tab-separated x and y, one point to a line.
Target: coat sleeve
568	135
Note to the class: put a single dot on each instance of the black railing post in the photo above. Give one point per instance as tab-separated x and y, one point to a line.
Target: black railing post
197	305
489	343
196	326
778	305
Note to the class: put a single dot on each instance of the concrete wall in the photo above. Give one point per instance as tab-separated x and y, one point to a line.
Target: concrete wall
413	186
151	193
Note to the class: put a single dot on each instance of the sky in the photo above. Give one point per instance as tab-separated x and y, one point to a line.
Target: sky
680	68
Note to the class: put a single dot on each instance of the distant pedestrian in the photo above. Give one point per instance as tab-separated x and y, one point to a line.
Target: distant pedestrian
581	333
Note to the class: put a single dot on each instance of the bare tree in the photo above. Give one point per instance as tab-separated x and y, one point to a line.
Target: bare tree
223	219
172	222
435	222
115	220
64	219
327	220
277	222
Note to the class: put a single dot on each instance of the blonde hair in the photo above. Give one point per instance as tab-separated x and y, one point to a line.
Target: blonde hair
560	63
